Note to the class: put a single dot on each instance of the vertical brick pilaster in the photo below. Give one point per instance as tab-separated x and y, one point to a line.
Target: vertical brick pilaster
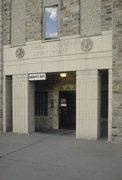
1	68
117	71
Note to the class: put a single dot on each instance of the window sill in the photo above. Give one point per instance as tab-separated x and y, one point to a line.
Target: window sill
50	40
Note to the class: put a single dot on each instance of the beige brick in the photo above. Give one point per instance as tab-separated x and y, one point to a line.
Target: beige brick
117	72
1	87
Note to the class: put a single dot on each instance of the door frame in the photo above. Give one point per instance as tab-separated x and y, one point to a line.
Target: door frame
67	90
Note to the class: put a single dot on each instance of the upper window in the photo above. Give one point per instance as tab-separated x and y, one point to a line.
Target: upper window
51	22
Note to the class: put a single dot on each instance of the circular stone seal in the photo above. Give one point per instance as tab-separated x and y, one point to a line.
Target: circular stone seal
20	52
87	45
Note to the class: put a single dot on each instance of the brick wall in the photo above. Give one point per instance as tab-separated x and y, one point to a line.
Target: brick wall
106	15
1	108
69	18
117	71
34	20
6	21
70	25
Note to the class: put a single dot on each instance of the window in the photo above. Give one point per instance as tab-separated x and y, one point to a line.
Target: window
41	103
51	22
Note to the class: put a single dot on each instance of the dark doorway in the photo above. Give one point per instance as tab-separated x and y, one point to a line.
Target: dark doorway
104	104
8	103
67	109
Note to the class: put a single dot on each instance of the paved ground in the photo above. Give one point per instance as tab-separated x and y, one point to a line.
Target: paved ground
58	157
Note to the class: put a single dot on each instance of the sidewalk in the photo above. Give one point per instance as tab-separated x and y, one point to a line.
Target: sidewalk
42	156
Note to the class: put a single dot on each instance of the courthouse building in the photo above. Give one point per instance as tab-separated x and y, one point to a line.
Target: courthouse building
61	67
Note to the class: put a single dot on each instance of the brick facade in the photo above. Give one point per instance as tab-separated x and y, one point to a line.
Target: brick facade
6	21
111	19
1	108
106	15
34	20
117	71
69	18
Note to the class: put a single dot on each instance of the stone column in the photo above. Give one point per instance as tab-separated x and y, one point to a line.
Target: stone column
87	104
1	69
23	104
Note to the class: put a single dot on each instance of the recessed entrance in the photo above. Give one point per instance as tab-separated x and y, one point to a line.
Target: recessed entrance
55	102
67	110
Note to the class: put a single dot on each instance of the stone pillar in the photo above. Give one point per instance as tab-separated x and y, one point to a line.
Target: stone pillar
117	72
1	69
23	104
87	104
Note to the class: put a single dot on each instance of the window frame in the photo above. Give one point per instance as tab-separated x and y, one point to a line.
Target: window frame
58	22
41	112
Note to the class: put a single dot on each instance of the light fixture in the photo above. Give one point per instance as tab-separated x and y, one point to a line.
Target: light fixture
63	75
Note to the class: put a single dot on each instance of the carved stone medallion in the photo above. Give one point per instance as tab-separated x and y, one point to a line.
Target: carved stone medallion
20	52
87	45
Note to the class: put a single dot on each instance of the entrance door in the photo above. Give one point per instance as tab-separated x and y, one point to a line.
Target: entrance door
67	109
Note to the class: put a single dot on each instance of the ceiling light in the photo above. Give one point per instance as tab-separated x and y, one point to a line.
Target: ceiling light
63	75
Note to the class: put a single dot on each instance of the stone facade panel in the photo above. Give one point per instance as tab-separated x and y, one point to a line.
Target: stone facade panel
70	24
1	59
34	21
18	23
69	18
6	22
117	71
106	15
90	17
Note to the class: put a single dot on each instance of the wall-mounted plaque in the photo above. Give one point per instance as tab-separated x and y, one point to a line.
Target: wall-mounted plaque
35	77
86	44
20	52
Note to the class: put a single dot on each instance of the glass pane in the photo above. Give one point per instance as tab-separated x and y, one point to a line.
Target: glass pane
51	22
